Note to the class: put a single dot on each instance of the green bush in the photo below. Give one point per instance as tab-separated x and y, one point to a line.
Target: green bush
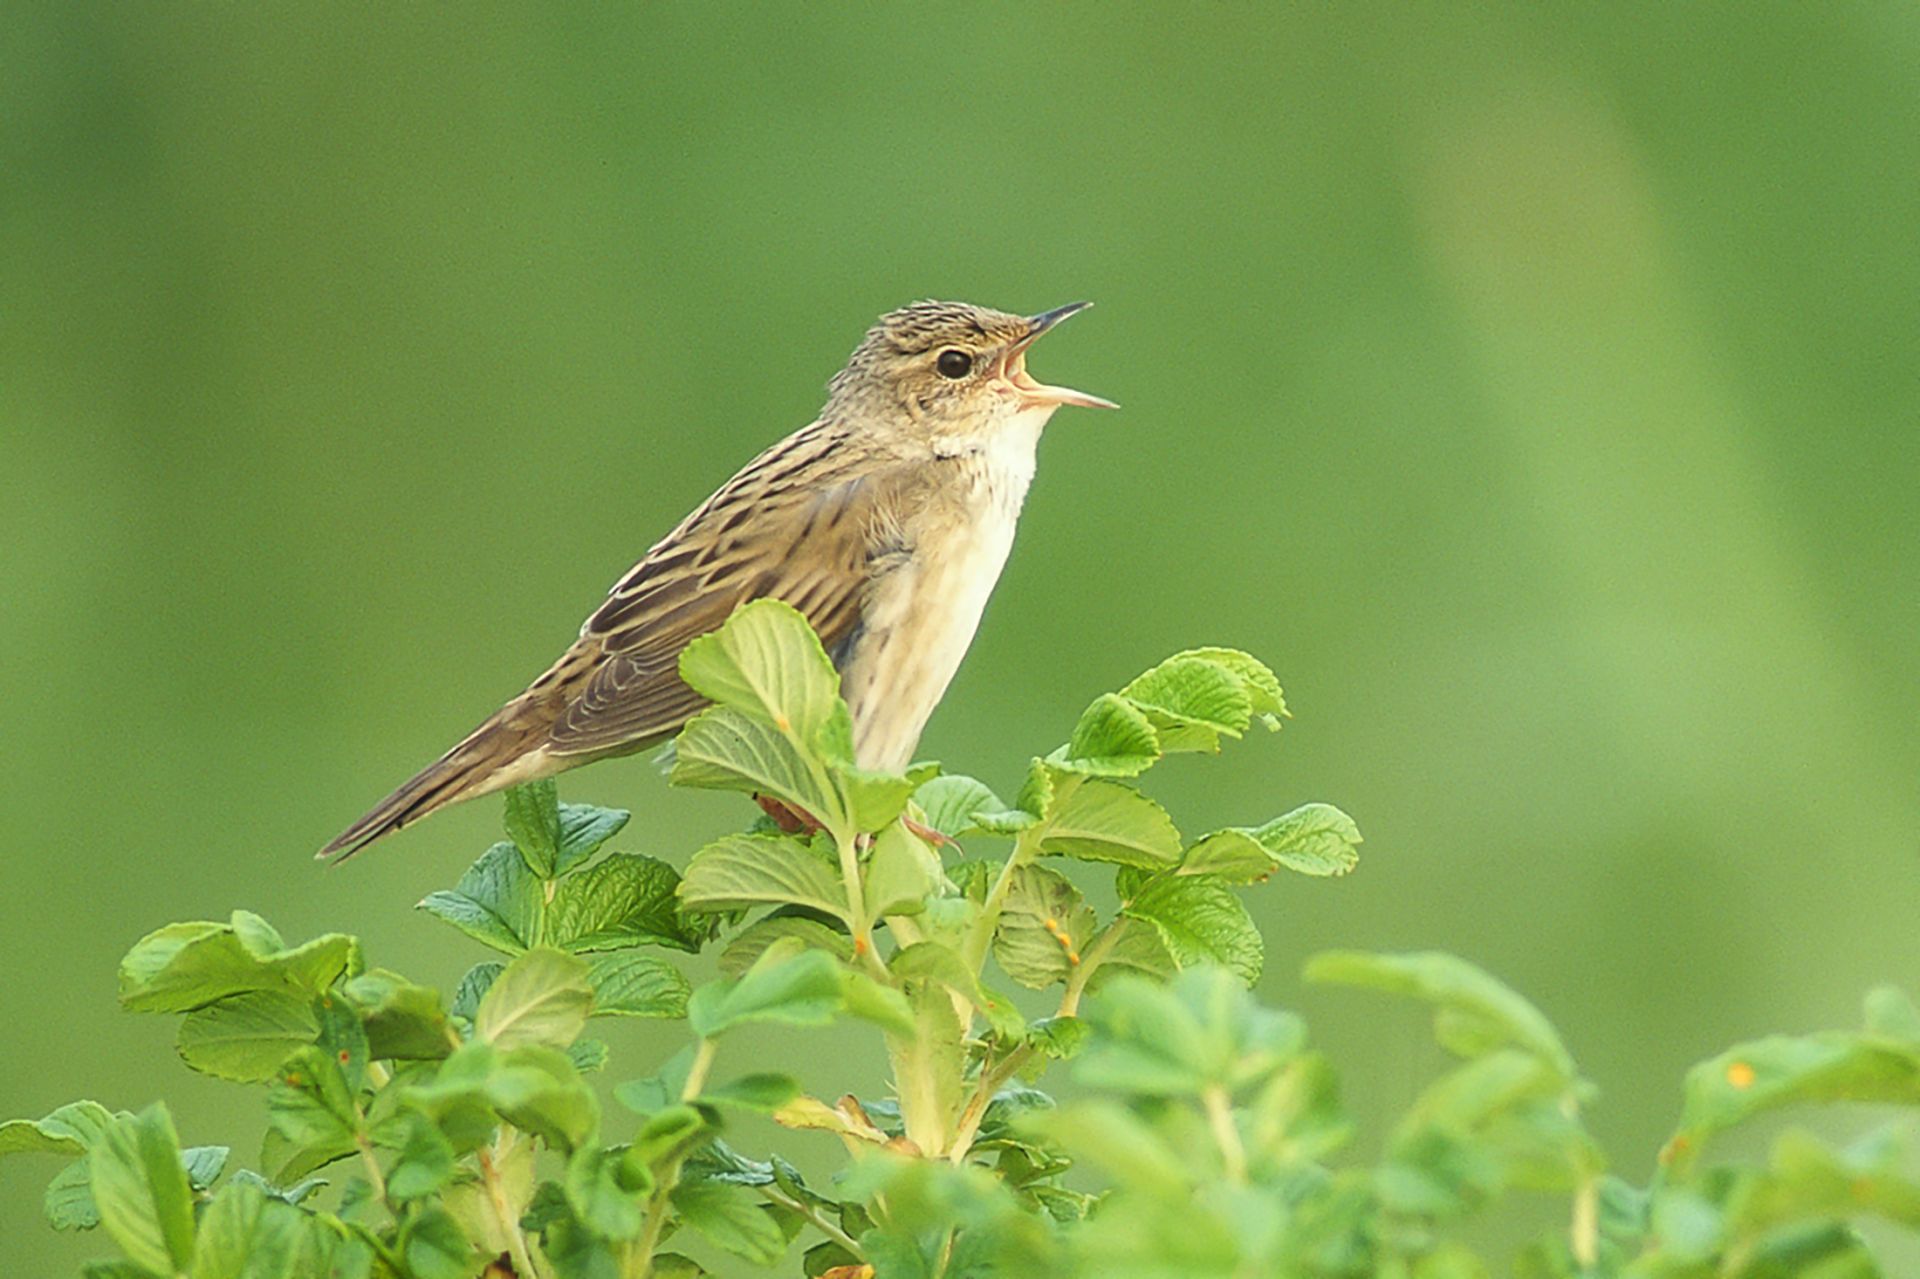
1204	1136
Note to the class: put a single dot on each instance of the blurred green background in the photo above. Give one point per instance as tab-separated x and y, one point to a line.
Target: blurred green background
1535	387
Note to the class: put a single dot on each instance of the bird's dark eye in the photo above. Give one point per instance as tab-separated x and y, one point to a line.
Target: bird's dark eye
954	364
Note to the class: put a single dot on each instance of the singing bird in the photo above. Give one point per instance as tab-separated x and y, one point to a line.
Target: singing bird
885	521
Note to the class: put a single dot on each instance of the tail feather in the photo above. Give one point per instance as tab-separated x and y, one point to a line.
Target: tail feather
495	755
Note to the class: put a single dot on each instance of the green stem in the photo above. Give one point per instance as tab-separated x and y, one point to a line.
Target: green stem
813	1218
1089	964
503	1212
1233	1155
701	1068
1585	1232
638	1261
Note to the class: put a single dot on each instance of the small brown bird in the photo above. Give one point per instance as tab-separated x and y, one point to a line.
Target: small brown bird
886	521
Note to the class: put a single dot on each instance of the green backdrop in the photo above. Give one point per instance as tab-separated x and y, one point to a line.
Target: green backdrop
1534	386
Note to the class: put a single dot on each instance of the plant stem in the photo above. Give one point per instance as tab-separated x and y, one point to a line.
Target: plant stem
1089	964
1233	1155
857	904
697	1073
1585	1232
813	1218
503	1212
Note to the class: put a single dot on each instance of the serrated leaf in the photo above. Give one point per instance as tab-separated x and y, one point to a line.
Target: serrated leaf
186	966
1449	982
786	984
1314	839
628	985
589	1055
766	661
68	1202
245	1037
1263	687
538	1089
403	1021
872	798
533	824
753	940
247	1233
68	1130
542	997
1044	928
1192	702
741	871
583	829
498	901
730	1219
931	961
1233	856
726	749
1113	739
1200	921
435	1247
950	801
140	1190
1106	821
623	900
312	1114
466	996
1138	949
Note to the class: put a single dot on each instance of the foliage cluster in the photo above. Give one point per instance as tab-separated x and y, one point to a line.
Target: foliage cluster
417	1137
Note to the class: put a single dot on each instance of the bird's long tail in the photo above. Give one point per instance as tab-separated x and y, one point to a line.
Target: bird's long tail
501	752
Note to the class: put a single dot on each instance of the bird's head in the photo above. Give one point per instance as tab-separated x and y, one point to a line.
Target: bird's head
950	368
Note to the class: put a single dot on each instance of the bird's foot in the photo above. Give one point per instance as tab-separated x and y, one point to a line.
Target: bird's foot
797	821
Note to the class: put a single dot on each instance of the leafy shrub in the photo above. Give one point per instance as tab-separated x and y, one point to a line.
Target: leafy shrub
1205	1137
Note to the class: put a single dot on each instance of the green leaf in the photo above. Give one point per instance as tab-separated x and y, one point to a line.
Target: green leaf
186	966
1113	739
1233	856
1452	985
1192	702
594	1193
950	801
498	901
1202	1031
1044	928
623	900
872	799
766	661
1782	1070
68	1202
753	940
141	1190
69	1130
726	749
245	1037
476	982
533	824
1058	1038
760	1093
311	1110
537	1089
425	1164
583	829
1138	948
1200	921
543	997
1262	686
902	872
742	871
589	1055
434	1246
247	1233
730	1219
1892	1014
1104	821
1314	839
786	984
628	985
931	961
403	1021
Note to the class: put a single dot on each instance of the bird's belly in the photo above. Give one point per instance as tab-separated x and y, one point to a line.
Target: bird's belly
917	625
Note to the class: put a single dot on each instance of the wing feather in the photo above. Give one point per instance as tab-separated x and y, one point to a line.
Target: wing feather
797	524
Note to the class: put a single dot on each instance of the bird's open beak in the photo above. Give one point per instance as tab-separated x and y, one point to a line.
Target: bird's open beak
1013	366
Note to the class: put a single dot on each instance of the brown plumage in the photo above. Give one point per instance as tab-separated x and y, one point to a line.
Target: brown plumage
885	521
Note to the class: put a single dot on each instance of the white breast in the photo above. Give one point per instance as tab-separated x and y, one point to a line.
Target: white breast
922	616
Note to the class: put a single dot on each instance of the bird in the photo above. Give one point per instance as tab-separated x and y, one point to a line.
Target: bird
885	521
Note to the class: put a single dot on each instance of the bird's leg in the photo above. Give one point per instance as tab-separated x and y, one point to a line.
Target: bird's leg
792	820
938	838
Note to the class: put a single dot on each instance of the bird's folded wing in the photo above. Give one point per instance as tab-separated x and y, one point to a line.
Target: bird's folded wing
797	524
